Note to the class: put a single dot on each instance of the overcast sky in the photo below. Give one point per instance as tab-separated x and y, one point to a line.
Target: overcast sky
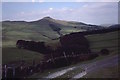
88	12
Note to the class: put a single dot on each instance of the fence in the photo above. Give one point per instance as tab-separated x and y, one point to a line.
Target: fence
27	70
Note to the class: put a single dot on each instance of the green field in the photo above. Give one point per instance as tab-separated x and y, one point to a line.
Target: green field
11	54
101	41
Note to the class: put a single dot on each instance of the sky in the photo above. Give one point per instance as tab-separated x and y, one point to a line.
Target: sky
87	12
59	0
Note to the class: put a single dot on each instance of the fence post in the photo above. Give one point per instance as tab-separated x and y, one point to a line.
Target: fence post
13	72
33	62
73	54
65	56
73	58
52	58
5	71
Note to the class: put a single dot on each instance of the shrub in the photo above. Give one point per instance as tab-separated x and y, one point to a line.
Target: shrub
104	52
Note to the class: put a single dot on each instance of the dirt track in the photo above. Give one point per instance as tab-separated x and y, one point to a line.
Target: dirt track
111	61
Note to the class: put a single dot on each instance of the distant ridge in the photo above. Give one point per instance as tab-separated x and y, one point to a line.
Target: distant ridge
101	31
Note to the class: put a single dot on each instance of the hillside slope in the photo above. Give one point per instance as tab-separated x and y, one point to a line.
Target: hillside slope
45	29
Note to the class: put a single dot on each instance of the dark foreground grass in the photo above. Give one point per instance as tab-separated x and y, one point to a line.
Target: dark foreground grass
10	54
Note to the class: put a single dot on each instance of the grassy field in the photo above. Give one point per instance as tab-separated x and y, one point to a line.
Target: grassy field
101	41
11	54
13	31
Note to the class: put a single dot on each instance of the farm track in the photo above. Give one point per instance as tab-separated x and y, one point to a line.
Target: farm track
87	67
92	67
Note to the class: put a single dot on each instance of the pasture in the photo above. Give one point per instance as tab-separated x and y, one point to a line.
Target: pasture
106	40
12	54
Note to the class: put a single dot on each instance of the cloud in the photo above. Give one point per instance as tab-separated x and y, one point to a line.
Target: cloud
50	8
41	1
94	13
33	0
22	13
